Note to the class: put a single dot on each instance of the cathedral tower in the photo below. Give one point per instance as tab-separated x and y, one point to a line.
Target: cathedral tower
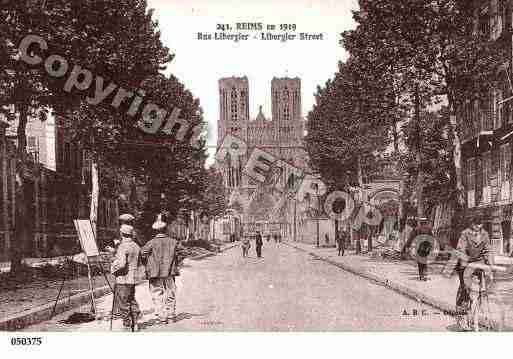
286	101
233	107
234	117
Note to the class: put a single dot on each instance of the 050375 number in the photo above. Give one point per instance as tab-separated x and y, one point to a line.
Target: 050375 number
27	341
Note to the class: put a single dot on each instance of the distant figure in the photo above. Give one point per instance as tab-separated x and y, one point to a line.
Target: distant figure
327	238
341	242
424	248
268	237
246	245
275	237
258	244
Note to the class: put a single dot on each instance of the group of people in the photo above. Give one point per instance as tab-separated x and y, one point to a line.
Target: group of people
259	243
159	258
472	251
473	246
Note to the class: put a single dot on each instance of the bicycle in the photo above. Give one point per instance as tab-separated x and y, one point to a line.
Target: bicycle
479	314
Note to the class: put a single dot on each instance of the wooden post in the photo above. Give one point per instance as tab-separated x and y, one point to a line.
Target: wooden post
91	287
93	215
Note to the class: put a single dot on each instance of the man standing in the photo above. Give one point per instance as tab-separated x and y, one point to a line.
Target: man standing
258	244
341	240
124	268
161	269
127	219
423	229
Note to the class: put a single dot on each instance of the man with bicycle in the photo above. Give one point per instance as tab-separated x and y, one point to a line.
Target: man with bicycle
473	247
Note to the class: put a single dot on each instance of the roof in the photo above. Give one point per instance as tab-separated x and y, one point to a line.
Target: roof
260	116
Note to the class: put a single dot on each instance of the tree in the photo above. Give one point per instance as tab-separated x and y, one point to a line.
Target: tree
117	40
436	159
172	170
433	50
214	196
348	126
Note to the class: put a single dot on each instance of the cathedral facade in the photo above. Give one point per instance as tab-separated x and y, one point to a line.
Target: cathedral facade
281	134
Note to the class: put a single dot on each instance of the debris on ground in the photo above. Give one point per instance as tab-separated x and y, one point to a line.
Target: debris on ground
77	318
386	253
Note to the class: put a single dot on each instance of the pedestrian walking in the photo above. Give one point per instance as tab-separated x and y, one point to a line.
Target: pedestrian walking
341	241
161	270
246	245
258	244
423	229
327	238
124	268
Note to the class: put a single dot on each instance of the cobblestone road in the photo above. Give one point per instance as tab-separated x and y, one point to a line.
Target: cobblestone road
286	290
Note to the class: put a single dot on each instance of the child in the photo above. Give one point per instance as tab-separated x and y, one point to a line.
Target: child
246	245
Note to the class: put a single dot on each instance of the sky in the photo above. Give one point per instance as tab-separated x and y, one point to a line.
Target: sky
200	63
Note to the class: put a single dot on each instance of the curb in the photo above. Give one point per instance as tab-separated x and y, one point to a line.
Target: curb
42	313
221	250
397	287
229	246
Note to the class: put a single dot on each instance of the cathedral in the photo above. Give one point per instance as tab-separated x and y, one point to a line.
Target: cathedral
281	135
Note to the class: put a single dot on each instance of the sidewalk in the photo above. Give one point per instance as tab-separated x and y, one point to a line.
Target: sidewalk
402	276
34	302
32	262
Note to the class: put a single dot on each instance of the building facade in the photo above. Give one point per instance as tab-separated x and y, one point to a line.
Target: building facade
487	127
58	184
280	135
7	191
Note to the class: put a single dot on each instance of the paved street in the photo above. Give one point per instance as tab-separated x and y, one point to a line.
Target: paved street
285	290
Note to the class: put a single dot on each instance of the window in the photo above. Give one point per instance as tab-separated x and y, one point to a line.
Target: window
468	115
234	104
225	106
243	102
486	120
496	13
286	111
504	171
506	108
487	167
67	156
479	181
497	97
484	22
471	181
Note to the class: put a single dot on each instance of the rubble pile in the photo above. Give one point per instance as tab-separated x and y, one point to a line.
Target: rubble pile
386	253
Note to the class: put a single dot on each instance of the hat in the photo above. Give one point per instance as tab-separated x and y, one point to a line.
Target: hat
126	230
477	219
159	224
126	217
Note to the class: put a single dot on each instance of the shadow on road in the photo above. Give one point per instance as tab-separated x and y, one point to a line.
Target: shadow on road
178	318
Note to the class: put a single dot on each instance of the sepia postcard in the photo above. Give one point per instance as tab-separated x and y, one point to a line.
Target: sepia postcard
255	166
